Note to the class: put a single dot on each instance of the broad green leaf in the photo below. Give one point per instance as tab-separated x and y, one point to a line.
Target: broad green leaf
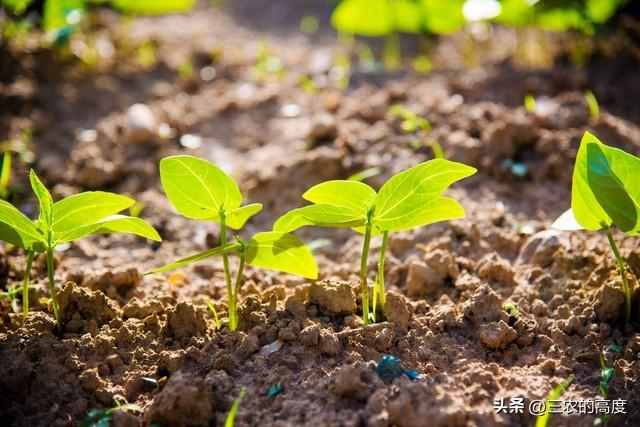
320	216
282	252
197	189
363	17
238	217
224	249
59	14
423	182
16	6
86	208
111	224
418	213
16	228
408	16
153	7
443	17
356	196
44	200
567	222
606	187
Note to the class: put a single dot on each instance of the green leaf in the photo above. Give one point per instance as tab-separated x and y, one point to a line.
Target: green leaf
86	208
354	195
421	183
59	14
197	189
111	224
16	6
44	200
543	420
16	228
153	7
606	187
282	252
443	17
319	215
224	249
231	416
418	213
238	217
363	17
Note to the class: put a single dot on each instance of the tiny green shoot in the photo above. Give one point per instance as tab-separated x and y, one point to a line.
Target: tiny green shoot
410	199
592	103
200	190
5	174
543	420
605	193
530	103
216	318
231	417
64	221
417	126
511	310
102	418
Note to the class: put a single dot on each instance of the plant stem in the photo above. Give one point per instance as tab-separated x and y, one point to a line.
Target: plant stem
364	287
227	271
623	276
25	286
236	291
52	288
383	251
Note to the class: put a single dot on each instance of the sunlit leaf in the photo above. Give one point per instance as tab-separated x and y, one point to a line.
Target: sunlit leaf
86	208
44	200
281	252
111	224
198	189
363	17
354	195
423	183
418	213
606	187
153	7
59	14
238	217
319	215
16	228
567	222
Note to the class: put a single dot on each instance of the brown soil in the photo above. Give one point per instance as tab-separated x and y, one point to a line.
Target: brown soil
155	344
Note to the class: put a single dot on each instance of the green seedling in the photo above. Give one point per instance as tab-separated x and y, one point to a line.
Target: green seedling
530	103
102	418
543	420
606	375
592	103
605	193
416	126
216	318
11	294
511	310
199	190
231	416
307	84
64	221
268	64
410	199
5	175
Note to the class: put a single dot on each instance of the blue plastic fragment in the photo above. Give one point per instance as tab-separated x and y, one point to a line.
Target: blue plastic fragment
275	390
519	169
389	367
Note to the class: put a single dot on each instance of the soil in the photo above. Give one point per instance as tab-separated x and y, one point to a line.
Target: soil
154	342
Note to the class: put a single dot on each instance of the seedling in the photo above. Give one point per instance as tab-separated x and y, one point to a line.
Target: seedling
415	126
268	64
543	420
212	309
11	294
231	417
365	174
511	310
5	175
592	103
102	418
605	193
199	190
69	219
410	199
530	103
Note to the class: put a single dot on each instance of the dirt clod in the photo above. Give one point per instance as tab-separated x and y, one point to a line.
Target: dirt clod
333	297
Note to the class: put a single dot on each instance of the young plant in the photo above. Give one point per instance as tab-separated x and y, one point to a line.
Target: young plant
410	199
556	393
415	126
69	219
199	190
605	193
231	416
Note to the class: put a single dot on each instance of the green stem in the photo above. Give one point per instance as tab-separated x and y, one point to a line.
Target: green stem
623	276
25	286
52	288
236	291
227	270
364	288
383	251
